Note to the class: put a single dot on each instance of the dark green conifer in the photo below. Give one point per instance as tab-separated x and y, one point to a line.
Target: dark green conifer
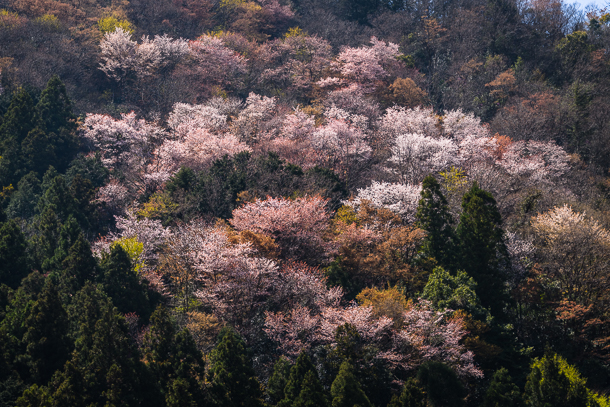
173	359
231	376
434	217
55	108
121	282
483	254
411	396
441	384
19	119
46	336
57	196
78	267
277	381
346	391
178	394
13	257
38	151
295	380
24	199
105	368
502	392
312	392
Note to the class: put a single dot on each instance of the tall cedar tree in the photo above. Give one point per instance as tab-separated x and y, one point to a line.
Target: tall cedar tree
13	257
18	121
278	380
57	120
78	267
502	392
24	200
46	337
411	396
105	368
346	391
121	282
312	392
295	380
174	361
434	217
441	384
232	379
482	251
68	234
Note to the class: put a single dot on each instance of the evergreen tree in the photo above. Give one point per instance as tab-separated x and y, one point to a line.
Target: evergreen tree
553	382
231	376
13	257
55	108
105	368
502	392
23	200
278	380
78	267
121	282
57	196
411	396
178	394
441	384
67	236
312	392
174	360
35	396
482	250
47	239
38	151
434	217
3	217
46	337
19	120
346	391
295	380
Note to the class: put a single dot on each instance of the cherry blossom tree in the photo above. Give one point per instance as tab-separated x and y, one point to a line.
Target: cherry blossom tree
197	149
399	198
197	116
214	64
353	99
341	143
414	156
427	334
535	160
295	62
398	121
296	225
254	122
126	145
459	125
121	56
365	65
293	144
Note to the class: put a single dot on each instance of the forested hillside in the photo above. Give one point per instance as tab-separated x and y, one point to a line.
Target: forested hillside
304	203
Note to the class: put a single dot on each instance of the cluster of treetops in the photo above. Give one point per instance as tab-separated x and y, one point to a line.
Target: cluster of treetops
535	70
70	323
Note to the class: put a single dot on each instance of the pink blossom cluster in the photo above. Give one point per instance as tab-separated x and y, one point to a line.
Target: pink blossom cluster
427	334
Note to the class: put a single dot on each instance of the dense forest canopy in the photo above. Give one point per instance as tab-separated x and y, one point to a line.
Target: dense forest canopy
304	203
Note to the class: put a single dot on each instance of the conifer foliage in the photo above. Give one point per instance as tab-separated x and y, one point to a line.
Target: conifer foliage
231	376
